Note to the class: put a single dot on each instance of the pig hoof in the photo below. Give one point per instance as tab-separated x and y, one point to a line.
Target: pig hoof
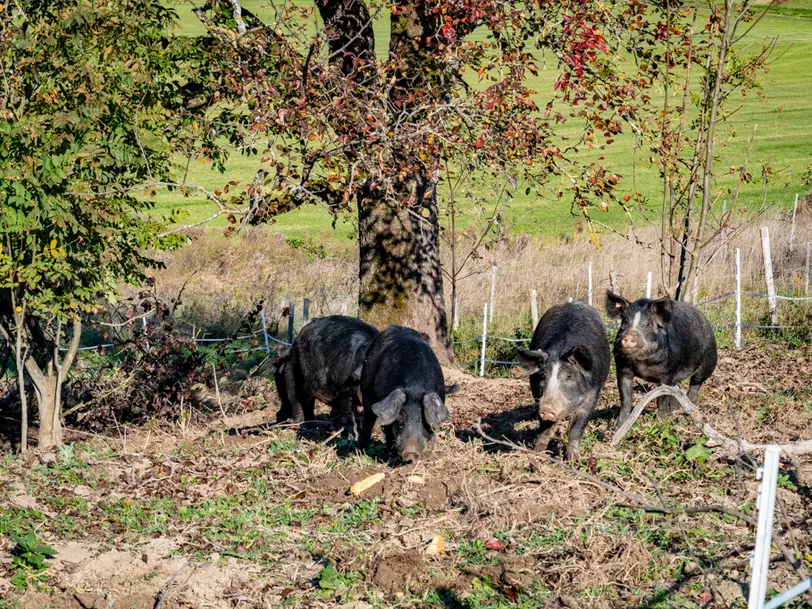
541	445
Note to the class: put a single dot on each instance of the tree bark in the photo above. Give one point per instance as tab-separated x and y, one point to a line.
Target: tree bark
400	277
48	388
50	423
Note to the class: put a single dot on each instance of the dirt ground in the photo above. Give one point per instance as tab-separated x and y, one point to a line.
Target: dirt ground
239	513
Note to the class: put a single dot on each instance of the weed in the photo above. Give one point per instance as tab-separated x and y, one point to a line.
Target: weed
474	552
332	580
784	481
13	521
310	247
697	453
764	415
29	561
67	456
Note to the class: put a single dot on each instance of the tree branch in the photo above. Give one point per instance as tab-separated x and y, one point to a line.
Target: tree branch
73	348
717	439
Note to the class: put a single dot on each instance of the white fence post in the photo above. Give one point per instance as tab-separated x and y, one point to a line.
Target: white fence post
343	309
768	275
806	271
484	340
534	308
764	533
305	311
738	298
493	291
456	316
794	214
589	282
696	286
144	327
648	285
265	331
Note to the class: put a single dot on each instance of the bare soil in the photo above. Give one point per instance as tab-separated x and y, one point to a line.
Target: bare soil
237	513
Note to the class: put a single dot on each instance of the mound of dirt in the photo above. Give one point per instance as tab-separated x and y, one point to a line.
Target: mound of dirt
138	578
401	572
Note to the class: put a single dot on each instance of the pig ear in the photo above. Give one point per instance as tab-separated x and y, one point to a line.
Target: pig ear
388	409
531	361
434	409
662	310
452	389
615	304
581	357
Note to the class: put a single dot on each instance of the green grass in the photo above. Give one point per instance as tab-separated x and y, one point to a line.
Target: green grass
783	116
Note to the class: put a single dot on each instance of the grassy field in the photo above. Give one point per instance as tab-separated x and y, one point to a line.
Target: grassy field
783	116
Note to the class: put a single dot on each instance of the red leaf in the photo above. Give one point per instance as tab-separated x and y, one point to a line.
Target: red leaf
494	544
705	597
478	142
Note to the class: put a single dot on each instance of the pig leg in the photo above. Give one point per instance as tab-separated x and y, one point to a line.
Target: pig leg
285	407
292	407
667	405
366	428
693	389
576	431
546	431
308	403
344	415
625	386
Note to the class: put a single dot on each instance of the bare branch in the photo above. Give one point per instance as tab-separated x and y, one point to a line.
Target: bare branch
716	438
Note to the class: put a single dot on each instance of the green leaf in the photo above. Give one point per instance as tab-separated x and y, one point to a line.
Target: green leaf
698	453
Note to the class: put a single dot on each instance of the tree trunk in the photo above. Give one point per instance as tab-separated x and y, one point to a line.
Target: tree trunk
400	277
48	404
48	386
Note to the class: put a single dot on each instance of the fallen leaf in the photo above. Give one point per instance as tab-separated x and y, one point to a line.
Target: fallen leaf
413	479
494	544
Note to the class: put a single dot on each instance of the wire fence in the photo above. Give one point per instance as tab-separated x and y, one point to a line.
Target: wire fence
271	340
737	326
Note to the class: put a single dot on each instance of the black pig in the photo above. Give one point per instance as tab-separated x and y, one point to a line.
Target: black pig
324	363
568	361
402	386
661	341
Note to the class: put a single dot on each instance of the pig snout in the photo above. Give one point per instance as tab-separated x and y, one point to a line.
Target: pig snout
547	414
631	341
411	448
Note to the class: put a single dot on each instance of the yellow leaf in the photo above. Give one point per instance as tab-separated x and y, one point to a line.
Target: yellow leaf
19	309
53	244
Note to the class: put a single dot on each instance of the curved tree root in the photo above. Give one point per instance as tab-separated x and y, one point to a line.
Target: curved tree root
718	440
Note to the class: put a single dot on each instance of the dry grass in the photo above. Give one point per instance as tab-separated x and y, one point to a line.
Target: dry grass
559	270
225	277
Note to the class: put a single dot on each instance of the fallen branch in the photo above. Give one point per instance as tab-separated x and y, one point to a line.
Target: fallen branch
716	439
